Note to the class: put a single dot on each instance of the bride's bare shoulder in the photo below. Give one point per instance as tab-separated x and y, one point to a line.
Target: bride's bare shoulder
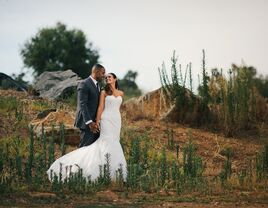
121	93
103	93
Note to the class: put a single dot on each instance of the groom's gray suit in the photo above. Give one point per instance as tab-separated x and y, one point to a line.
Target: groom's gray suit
87	105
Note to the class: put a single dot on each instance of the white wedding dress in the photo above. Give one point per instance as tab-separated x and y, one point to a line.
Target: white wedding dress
91	157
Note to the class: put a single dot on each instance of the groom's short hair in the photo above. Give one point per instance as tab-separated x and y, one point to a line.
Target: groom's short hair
97	67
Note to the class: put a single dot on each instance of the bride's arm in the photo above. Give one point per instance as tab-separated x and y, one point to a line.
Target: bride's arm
122	95
101	106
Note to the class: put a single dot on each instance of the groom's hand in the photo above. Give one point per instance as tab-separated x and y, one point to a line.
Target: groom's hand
92	127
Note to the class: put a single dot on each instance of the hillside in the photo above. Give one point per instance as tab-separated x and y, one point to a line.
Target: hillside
152	113
147	119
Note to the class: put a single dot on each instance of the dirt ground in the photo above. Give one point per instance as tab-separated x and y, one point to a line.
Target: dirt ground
121	199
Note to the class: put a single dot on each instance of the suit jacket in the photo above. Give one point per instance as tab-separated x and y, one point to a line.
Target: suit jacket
87	103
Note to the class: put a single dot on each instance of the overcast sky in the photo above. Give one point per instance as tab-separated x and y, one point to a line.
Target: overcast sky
141	34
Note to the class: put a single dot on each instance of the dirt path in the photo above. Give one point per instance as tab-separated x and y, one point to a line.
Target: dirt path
110	198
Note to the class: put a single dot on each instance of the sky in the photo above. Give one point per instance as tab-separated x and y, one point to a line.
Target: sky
142	34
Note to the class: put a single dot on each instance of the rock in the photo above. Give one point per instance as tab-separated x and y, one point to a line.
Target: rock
53	121
157	105
6	82
44	113
153	105
58	84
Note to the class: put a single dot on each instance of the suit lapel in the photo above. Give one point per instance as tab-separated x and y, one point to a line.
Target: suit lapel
93	84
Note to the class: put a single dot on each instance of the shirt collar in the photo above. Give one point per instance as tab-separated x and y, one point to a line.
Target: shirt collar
94	80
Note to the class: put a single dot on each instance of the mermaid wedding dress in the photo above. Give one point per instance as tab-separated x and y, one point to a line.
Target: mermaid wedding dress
90	158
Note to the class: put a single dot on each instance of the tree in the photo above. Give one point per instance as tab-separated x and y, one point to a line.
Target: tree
57	49
261	83
128	84
19	78
131	75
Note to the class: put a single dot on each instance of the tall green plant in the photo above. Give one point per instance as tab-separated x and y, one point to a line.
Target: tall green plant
30	161
227	168
175	89
18	157
238	100
163	167
44	145
204	92
62	146
230	112
262	163
51	155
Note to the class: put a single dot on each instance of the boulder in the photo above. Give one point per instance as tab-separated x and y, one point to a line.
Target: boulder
57	84
153	105
156	105
6	82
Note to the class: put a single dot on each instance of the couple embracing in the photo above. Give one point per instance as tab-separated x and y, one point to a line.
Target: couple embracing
99	120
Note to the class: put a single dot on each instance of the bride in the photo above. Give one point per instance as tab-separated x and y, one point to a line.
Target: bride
90	158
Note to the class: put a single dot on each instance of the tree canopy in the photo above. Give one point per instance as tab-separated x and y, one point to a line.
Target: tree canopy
128	84
57	49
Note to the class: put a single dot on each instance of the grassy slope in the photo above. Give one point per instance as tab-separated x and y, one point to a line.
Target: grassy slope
210	147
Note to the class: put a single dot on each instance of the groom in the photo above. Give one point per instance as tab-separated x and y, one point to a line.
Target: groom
88	92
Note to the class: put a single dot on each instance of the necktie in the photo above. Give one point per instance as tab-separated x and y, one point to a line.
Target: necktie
97	85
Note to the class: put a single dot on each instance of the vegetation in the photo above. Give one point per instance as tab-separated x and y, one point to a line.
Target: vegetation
236	98
149	171
23	165
160	166
261	84
231	105
58	49
176	89
128	84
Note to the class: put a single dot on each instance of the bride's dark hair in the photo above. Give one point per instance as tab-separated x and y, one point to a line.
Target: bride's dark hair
107	87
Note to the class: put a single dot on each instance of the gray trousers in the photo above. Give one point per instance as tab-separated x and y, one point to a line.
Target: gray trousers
87	137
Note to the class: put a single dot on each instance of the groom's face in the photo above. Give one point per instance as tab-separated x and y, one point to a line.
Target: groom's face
100	75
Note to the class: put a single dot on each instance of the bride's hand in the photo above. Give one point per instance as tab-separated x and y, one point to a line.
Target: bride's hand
98	125
94	127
